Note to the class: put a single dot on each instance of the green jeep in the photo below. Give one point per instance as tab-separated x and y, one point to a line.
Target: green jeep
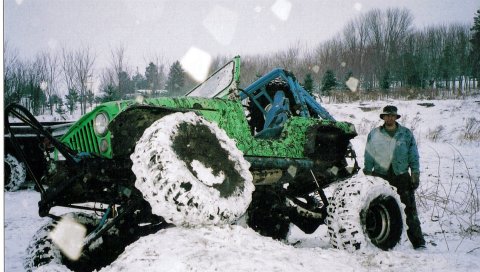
263	153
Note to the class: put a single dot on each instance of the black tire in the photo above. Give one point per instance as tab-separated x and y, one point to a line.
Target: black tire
191	172
268	214
43	253
15	173
365	213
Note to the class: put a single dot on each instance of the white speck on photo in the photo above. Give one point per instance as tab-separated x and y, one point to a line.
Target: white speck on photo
68	235
282	9
196	62
352	84
221	23
357	6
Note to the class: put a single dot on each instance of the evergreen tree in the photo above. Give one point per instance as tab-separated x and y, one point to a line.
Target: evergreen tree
54	101
475	49
176	79
72	99
59	106
329	82
152	77
125	85
110	94
139	82
308	83
37	97
90	97
385	83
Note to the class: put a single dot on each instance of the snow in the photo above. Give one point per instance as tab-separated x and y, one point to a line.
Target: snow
447	199
206	175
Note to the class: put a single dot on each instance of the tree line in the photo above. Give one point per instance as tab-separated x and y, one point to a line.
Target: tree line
380	49
385	53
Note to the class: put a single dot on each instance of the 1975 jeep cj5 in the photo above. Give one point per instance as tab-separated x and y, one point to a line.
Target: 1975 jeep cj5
218	153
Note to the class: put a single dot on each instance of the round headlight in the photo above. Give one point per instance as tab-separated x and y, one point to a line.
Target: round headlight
100	123
103	145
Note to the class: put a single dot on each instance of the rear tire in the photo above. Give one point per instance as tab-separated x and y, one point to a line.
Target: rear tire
15	173
365	213
268	214
191	172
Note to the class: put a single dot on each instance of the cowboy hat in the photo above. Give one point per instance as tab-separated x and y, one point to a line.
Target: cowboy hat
389	110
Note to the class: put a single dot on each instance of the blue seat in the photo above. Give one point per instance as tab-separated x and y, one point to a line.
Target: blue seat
276	117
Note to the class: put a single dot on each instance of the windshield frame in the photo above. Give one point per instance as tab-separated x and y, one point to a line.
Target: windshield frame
233	72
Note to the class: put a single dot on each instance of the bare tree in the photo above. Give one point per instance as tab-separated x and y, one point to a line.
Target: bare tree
84	60
12	74
49	64
77	68
67	64
117	60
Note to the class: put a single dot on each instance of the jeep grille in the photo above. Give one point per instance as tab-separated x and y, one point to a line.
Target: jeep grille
85	139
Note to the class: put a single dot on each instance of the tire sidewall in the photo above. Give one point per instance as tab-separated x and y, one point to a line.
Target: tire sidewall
173	191
347	209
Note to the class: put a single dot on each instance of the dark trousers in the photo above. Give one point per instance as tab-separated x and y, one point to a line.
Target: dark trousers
403	184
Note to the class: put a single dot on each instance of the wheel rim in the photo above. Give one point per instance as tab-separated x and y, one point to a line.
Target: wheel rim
378	223
383	222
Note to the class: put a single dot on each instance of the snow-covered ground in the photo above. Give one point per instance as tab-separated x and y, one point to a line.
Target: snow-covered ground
448	202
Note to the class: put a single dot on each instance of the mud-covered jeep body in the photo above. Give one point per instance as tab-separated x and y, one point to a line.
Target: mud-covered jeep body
122	154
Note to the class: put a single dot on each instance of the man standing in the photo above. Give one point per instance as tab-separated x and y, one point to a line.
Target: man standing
390	152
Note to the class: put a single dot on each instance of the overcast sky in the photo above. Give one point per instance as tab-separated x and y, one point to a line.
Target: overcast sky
219	27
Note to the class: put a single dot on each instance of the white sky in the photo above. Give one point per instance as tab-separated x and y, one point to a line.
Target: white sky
169	28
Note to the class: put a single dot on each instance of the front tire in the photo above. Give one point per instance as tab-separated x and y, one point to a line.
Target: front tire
365	213
191	172
44	254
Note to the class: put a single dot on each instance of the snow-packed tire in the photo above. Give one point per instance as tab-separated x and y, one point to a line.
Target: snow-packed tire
42	253
191	172
15	173
365	213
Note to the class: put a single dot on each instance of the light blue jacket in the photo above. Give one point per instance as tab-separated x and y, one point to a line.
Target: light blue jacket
399	151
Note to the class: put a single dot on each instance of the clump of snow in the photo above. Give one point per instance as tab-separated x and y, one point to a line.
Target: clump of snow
206	175
227	248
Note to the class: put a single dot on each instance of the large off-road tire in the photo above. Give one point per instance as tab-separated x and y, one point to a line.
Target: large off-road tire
191	172
44	254
365	213
268	214
15	173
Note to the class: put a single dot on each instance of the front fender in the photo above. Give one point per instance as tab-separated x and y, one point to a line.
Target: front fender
129	125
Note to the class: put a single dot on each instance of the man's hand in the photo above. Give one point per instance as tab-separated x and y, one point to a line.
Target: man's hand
415	180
